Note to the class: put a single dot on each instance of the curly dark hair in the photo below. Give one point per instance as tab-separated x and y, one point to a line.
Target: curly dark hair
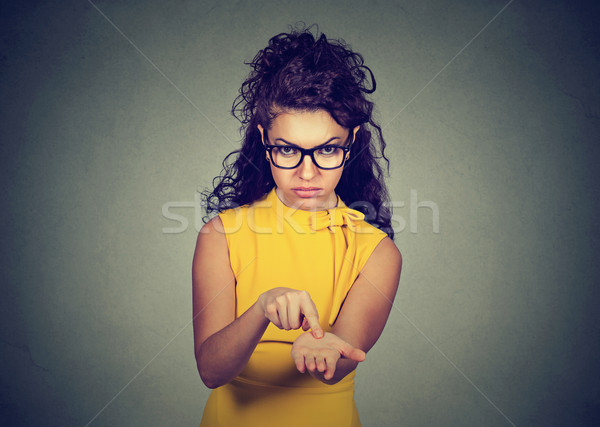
298	71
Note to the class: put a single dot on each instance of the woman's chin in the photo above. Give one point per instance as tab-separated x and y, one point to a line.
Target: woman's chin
308	200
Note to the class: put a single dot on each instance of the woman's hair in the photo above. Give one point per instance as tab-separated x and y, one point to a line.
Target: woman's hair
297	71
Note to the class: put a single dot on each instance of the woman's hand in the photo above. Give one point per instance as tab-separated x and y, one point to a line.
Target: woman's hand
322	355
291	309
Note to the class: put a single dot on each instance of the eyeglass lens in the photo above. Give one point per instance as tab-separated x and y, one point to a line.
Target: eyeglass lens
324	157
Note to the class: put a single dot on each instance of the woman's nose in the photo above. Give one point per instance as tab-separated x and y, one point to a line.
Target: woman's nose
307	169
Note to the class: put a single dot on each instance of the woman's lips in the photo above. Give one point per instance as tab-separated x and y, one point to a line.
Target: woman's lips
306	192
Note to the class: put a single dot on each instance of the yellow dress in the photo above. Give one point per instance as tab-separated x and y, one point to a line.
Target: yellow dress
272	245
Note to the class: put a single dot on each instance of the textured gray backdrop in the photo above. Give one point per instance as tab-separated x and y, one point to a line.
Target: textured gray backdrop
112	118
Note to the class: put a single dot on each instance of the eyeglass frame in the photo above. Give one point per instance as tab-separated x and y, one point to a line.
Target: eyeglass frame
307	152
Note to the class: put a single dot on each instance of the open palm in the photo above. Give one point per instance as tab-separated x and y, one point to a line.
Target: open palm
322	354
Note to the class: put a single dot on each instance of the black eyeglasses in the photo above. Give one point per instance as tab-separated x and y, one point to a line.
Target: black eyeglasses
326	156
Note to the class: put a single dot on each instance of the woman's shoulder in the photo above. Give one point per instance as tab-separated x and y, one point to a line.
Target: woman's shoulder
387	249
234	218
374	242
211	235
365	231
212	225
213	228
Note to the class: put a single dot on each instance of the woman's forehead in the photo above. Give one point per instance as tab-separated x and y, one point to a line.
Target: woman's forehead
306	127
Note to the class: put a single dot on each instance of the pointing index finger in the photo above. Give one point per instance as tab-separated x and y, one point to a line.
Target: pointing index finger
317	331
311	317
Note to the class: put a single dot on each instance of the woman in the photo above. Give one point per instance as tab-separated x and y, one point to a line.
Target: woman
286	254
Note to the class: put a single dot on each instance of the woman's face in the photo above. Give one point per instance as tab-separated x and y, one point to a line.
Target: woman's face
306	187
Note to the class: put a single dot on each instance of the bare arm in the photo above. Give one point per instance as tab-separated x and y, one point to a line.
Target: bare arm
362	318
223	344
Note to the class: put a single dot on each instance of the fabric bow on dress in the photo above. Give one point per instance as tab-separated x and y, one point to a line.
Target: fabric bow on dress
336	217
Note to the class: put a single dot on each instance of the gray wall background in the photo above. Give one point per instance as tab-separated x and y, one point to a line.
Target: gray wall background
495	319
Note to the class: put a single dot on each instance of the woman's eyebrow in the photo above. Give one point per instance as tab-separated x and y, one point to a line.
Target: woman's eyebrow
318	146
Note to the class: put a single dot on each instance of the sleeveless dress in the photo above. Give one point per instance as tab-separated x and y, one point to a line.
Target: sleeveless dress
272	245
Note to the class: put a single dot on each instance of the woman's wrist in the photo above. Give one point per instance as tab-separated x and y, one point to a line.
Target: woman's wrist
257	312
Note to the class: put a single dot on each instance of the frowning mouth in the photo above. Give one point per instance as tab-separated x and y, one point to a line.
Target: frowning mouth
306	192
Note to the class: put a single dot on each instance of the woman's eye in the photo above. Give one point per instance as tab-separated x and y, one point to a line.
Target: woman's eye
327	151
287	151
